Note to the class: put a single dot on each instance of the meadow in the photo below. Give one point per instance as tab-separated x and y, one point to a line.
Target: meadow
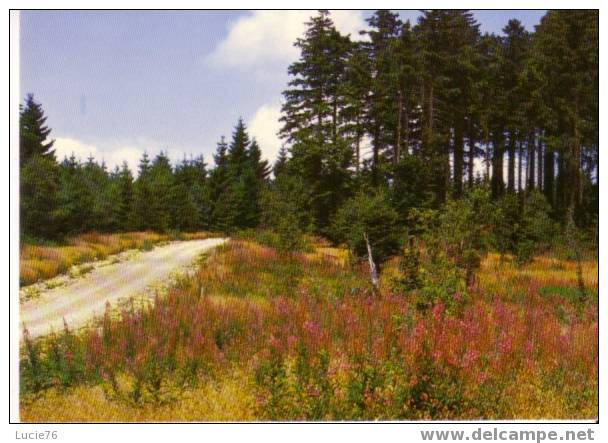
258	334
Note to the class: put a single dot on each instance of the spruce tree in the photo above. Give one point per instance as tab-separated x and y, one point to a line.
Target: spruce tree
124	180
280	164
221	189
39	198
382	48
33	135
565	60
143	196
320	156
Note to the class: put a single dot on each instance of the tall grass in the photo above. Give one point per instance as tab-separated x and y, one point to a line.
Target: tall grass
317	344
40	262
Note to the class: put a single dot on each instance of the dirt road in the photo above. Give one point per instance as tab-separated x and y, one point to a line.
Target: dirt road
85	297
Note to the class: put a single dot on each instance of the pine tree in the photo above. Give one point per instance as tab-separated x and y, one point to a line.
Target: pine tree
461	70
311	104
99	186
76	197
259	165
385	28
237	151
191	204
223	200
39	193
32	132
516	47
408	65
161	184
143	196
201	192
354	92
433	36
280	164
124	180
319	155
565	59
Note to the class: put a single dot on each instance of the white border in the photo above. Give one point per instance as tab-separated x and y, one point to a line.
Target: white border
254	432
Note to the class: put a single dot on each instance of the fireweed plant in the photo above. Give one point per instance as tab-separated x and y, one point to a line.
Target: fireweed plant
318	344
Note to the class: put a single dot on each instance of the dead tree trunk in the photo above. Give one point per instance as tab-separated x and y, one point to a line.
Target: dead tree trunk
373	270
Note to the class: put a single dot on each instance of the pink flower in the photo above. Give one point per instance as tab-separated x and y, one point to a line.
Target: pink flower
438	310
311	326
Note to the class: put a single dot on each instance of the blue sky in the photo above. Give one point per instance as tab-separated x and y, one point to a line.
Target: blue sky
114	84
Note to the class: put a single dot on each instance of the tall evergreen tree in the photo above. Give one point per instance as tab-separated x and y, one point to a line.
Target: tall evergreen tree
39	198
280	165
385	27
319	156
124	180
143	196
565	58
33	134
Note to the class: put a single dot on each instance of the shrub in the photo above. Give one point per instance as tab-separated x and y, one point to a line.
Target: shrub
455	239
523	229
371	215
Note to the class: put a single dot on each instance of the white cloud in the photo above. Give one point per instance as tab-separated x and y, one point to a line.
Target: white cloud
113	152
264	126
65	147
265	38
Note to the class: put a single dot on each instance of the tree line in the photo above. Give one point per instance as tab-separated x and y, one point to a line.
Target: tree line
71	196
443	108
434	116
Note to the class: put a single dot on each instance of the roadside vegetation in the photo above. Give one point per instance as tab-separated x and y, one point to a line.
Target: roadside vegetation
305	336
43	260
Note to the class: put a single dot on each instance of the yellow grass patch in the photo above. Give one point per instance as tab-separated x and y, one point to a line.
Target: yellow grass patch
498	276
325	253
232	399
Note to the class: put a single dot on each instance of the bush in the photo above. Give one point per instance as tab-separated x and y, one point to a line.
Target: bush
455	239
371	215
283	207
409	269
523	229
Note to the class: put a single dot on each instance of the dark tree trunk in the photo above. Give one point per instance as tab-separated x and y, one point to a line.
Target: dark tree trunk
531	162
428	128
458	158
560	185
498	182
511	166
520	156
375	155
548	176
334	122
405	150
471	154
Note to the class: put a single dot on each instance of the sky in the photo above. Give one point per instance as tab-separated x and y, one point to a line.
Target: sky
116	84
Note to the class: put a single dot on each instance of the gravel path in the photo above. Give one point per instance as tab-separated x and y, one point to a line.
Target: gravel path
86	297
